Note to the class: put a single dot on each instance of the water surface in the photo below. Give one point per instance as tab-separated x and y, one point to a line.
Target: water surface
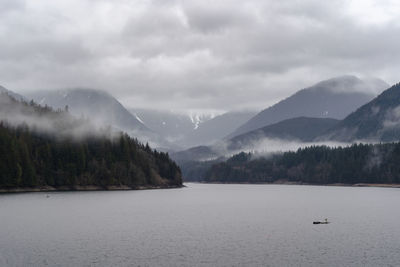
203	225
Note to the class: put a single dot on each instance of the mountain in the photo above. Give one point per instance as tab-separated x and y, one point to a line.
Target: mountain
173	126
99	106
333	98
378	120
102	109
17	113
12	94
300	129
191	129
217	128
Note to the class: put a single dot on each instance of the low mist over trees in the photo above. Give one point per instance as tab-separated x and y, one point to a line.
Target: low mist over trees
30	159
53	150
359	163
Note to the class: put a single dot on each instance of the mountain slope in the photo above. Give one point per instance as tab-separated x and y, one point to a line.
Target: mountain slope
301	129
17	113
378	120
333	98
99	106
294	130
12	94
102	109
173	126
188	130
217	128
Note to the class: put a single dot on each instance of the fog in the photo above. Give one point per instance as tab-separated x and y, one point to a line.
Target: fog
59	124
263	147
267	146
392	118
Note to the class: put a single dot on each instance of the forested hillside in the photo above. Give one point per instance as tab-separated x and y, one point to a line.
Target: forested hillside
333	98
34	157
376	120
300	129
359	163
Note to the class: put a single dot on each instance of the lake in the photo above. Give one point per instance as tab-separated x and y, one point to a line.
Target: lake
203	225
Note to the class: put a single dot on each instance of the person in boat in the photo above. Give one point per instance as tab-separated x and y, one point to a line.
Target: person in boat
318	222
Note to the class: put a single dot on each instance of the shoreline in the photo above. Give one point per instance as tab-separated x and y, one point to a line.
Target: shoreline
302	183
84	188
150	187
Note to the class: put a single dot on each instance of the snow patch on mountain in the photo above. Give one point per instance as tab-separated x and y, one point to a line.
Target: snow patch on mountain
198	118
138	118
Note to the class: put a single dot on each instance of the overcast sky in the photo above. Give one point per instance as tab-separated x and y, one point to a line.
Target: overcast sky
201	54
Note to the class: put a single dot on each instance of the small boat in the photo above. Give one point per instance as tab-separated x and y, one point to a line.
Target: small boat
319	222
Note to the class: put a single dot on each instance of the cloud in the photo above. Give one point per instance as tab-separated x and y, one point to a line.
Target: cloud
266	145
59	124
195	54
392	119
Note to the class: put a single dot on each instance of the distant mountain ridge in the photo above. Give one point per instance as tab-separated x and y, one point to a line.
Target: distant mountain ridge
98	105
188	130
44	120
173	126
101	108
376	121
217	128
334	98
300	129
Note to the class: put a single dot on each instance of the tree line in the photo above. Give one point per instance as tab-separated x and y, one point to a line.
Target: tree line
32	157
359	163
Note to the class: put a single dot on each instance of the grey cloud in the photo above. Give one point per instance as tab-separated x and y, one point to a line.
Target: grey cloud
8	6
192	54
217	17
54	51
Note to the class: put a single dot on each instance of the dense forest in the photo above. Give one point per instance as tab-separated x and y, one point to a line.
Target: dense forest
359	163
30	159
33	157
